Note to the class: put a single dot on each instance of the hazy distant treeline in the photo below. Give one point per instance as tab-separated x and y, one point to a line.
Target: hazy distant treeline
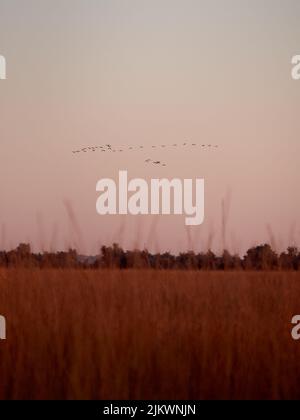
261	257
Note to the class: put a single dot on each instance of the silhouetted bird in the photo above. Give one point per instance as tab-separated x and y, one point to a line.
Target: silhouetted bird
108	147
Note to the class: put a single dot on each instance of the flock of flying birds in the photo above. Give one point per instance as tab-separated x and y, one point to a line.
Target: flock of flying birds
110	149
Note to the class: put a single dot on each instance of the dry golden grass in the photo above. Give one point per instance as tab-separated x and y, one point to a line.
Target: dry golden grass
148	335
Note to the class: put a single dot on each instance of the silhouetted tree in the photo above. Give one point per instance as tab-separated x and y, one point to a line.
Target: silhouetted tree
257	258
261	258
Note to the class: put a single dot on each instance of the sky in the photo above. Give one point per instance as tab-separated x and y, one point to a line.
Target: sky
140	72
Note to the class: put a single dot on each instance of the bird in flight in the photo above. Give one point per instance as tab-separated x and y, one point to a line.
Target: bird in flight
108	147
157	162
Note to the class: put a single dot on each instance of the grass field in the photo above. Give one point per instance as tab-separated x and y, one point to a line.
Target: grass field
75	334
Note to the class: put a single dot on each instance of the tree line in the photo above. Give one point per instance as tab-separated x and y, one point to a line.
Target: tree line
261	257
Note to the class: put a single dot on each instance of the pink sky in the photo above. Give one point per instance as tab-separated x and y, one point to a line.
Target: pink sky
141	73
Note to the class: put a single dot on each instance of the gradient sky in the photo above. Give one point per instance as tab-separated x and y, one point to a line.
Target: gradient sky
128	72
